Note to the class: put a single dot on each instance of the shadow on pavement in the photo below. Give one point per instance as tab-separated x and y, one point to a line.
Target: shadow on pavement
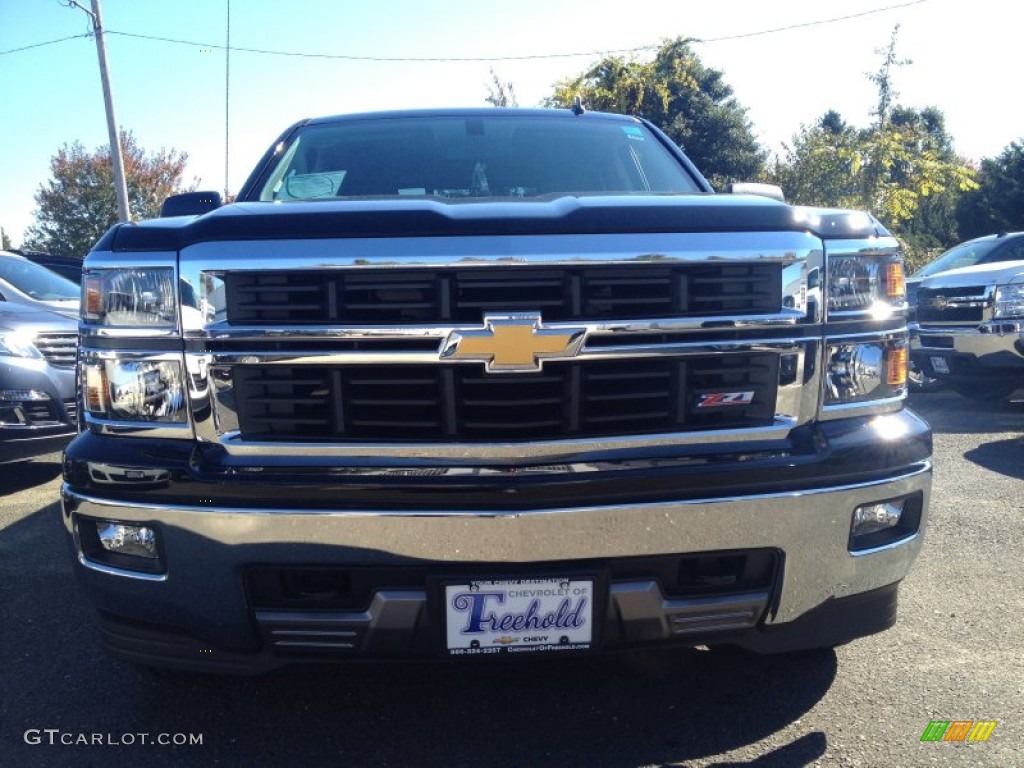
797	754
949	413
22	475
1003	456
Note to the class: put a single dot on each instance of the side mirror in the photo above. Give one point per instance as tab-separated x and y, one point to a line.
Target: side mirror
191	204
756	188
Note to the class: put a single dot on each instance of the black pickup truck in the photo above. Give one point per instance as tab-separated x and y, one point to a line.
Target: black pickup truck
490	382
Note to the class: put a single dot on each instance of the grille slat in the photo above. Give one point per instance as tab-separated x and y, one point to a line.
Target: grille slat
286	420
59	349
393	424
289	306
628	417
511	304
393	403
625	398
519	425
261	289
410	295
292	400
441	403
517	403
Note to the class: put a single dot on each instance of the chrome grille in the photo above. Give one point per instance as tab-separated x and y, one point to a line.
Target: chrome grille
59	349
431	403
962	304
396	296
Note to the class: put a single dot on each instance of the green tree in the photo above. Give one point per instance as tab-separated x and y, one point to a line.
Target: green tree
902	167
5	241
822	165
997	205
932	226
690	102
77	205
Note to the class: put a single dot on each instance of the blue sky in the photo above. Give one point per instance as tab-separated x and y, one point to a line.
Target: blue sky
173	95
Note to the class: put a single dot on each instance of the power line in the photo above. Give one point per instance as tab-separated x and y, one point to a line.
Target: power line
40	45
811	23
456	59
352	57
525	57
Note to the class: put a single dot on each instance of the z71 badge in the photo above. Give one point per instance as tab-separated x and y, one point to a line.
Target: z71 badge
723	399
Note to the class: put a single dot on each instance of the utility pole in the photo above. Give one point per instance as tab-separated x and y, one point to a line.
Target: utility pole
117	159
227	101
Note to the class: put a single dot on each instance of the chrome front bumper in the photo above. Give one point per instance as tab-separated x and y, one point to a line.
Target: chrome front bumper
991	345
208	549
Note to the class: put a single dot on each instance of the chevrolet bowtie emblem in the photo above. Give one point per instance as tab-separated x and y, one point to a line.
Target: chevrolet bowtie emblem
514	343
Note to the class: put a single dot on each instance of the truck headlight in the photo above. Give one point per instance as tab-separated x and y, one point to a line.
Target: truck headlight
135	390
859	284
858	373
1009	300
130	298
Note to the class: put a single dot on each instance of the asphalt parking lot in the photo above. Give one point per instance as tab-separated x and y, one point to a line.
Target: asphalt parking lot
957	653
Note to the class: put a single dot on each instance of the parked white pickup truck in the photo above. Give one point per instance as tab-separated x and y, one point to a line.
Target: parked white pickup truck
970	324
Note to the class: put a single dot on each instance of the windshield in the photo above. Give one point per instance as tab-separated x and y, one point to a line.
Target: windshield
36	281
963	255
510	156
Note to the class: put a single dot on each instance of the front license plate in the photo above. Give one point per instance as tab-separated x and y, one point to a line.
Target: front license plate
939	365
519	616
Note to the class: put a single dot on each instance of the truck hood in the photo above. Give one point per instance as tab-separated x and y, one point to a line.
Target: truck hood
979	274
391	217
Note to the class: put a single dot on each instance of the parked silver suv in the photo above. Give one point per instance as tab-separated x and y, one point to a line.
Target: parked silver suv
25	283
38	414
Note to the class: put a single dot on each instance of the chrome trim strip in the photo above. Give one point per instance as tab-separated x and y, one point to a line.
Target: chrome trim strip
92	354
173	430
361	357
870	408
785	248
123	572
899	308
897	334
111	260
222	331
151	511
89	331
232	442
884	245
886	547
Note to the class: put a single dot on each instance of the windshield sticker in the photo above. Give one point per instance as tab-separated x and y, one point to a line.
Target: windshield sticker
634	132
